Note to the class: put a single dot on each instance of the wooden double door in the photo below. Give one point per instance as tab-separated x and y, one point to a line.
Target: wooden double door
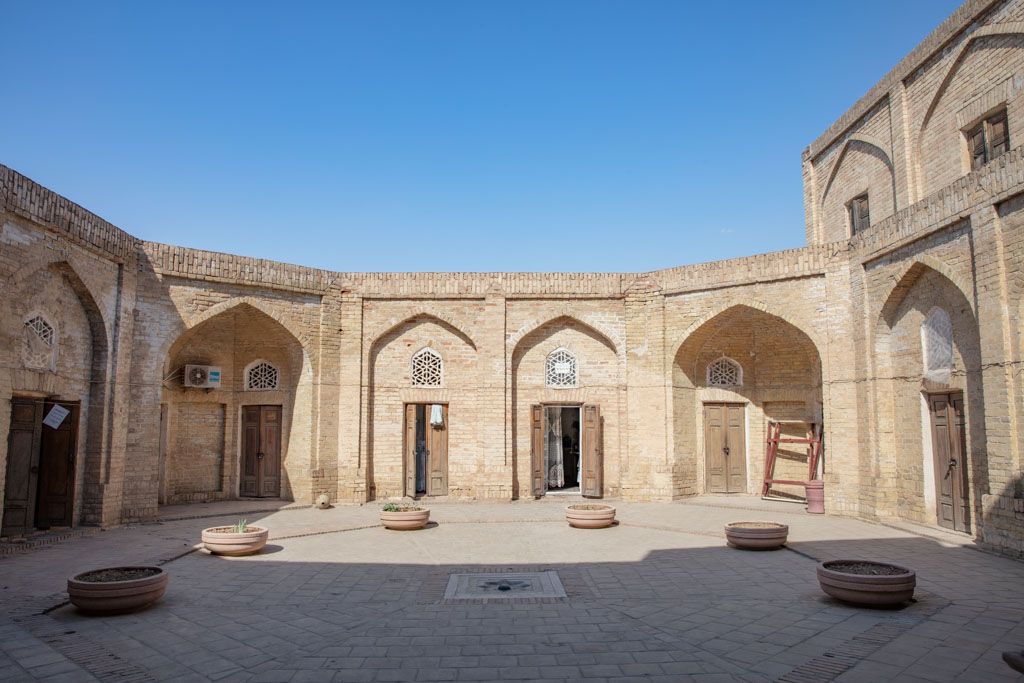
40	486
949	454
426	449
591	468
725	448
261	451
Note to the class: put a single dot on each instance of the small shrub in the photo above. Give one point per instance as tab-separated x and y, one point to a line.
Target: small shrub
239	527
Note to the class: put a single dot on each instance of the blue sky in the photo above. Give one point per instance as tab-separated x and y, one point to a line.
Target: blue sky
435	136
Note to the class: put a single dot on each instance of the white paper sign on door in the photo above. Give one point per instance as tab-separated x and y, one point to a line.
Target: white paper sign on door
56	416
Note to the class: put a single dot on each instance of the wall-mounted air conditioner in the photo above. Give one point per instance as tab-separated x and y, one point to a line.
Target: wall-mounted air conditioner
202	376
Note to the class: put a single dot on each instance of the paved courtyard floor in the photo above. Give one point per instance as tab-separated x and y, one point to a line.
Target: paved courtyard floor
659	597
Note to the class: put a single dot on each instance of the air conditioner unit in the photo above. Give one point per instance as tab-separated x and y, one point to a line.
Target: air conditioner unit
202	376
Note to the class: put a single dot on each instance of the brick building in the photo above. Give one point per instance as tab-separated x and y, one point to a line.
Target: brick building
896	330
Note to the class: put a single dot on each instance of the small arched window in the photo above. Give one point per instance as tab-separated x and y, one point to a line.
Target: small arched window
427	368
937	340
561	369
261	376
725	372
40	343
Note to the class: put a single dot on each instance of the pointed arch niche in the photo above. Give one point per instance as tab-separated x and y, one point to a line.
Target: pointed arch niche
206	431
745	358
926	345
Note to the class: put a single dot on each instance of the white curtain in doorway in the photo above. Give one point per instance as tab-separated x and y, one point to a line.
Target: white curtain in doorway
553	448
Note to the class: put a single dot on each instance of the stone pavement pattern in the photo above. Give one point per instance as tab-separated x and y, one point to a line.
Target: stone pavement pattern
659	597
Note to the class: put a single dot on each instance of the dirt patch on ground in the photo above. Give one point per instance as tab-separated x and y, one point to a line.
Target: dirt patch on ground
865	568
118	574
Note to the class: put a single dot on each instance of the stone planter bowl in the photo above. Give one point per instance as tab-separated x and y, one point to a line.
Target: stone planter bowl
867	589
220	540
764	536
111	597
590	519
404	521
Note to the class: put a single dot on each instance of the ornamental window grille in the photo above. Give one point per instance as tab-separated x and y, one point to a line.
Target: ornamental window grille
40	343
427	368
561	369
937	337
261	376
725	372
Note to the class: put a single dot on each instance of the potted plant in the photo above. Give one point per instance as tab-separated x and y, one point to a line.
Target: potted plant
239	539
863	582
404	517
756	535
589	515
117	589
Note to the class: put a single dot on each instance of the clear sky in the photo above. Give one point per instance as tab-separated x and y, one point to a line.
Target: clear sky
482	135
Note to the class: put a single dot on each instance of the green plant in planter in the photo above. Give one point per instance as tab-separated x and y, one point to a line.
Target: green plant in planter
391	507
239	527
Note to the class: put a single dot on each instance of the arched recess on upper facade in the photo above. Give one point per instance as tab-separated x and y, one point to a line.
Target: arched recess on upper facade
450	322
676	344
870	141
1011	29
901	387
606	334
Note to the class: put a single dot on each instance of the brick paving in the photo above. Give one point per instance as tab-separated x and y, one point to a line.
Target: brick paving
334	597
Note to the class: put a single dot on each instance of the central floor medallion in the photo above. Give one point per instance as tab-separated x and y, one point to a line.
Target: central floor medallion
504	586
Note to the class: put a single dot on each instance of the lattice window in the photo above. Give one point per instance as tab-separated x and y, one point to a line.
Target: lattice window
261	376
561	369
427	368
40	337
937	337
725	372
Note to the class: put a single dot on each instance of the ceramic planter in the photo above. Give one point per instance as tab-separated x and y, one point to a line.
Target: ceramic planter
220	540
756	535
892	586
113	596
404	520
597	517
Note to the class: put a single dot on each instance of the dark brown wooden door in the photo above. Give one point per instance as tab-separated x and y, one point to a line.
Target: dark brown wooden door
22	480
437	454
261	451
56	499
725	451
538	475
949	453
592	476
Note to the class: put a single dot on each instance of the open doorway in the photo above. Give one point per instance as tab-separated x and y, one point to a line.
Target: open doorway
562	454
426	449
565	450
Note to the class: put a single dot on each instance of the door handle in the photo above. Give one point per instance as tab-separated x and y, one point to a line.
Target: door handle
259	456
725	450
952	462
428	453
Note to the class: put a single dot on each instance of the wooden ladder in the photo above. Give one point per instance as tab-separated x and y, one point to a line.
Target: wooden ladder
813	443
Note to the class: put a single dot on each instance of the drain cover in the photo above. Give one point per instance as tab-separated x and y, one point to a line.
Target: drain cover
504	586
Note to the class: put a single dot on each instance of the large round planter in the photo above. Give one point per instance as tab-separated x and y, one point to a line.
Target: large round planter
597	518
756	535
111	597
884	590
220	540
405	520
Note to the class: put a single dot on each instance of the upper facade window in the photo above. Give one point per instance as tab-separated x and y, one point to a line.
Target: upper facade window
427	368
937	338
261	376
725	372
40	343
988	140
860	218
561	371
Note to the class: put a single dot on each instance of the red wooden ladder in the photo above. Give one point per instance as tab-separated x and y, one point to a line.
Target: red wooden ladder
813	443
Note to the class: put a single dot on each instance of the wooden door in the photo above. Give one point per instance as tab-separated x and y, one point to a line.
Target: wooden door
261	451
725	452
949	454
538	475
410	449
21	484
55	504
437	454
592	476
